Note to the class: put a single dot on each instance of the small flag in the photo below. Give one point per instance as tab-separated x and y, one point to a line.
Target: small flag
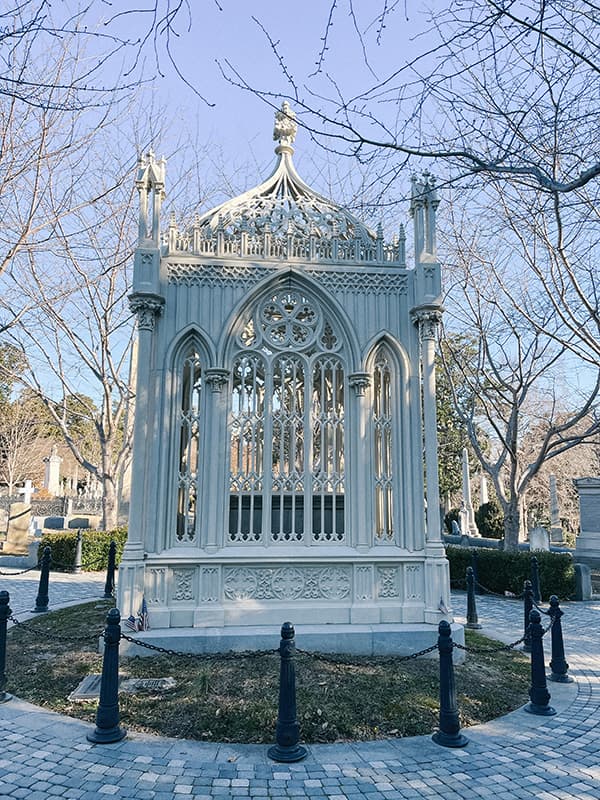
144	622
131	623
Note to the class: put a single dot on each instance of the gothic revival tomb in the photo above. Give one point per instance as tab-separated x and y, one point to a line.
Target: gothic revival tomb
285	416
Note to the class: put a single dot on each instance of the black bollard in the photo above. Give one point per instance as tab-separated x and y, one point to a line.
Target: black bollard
558	665
78	554
109	586
41	601
472	619
538	693
5	613
107	716
527	606
287	733
535	580
449	734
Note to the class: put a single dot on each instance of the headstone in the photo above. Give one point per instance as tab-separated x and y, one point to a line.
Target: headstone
583	582
556	532
17	536
587	546
27	492
539	539
470	528
52	473
483	490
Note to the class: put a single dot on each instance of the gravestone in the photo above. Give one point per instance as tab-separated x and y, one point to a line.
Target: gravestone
556	531
467	514
587	546
52	472
539	539
483	490
19	521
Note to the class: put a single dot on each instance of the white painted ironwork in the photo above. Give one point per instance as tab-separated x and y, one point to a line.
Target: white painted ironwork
382	434
189	438
288	413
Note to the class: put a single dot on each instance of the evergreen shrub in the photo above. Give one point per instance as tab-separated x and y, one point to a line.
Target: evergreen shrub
94	548
490	520
500	571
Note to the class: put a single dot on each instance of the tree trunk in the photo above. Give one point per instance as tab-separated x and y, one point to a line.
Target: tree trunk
109	503
512	524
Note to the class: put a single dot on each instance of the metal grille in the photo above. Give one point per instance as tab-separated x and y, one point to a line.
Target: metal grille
189	437
382	434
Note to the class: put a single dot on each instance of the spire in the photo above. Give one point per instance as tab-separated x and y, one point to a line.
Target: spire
150	183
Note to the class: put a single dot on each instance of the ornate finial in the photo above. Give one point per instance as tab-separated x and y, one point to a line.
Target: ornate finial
285	125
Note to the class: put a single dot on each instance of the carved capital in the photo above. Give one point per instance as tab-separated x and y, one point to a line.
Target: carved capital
428	319
359	381
147	307
216	378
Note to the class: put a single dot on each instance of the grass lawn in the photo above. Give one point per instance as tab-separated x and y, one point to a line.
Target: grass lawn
235	700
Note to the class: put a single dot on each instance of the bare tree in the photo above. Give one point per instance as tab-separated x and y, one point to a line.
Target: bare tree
509	393
504	100
579	461
77	331
21	443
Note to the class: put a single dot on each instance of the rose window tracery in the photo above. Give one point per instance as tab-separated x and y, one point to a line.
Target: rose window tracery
287	423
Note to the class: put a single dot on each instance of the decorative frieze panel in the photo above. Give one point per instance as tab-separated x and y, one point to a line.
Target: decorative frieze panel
414	581
209	584
241	276
183	585
361	282
156	585
244	276
388	582
287	583
363	583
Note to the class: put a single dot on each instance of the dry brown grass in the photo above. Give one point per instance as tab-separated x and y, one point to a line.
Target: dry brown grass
236	700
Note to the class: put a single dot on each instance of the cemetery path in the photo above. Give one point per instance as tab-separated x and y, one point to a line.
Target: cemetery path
64	588
46	755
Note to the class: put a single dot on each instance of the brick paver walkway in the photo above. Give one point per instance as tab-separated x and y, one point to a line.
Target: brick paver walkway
45	755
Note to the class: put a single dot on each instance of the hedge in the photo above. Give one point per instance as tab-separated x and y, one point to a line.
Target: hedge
499	571
94	548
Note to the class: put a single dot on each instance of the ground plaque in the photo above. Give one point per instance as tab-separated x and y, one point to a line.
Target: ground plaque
134	685
89	688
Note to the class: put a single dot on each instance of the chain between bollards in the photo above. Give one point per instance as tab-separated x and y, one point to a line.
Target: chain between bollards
558	664
527	607
5	613
109	586
287	735
472	619
107	728
449	734
41	601
538	692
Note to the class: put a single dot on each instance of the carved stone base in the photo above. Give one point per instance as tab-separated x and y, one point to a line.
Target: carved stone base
353	639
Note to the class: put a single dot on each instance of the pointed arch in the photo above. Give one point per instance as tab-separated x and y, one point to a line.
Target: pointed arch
291	280
290	355
188	357
390	444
